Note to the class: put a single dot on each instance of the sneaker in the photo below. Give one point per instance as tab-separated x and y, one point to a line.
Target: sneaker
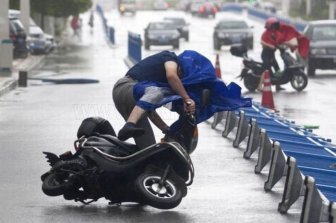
130	130
279	88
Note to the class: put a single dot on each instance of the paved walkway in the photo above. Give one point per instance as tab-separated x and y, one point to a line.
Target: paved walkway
9	81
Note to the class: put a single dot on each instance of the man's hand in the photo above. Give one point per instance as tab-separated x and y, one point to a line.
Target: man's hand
189	106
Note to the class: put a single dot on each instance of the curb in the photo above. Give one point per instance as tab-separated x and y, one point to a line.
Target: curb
28	64
8	86
12	82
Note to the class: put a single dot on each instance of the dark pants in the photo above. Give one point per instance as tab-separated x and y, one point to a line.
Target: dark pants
269	61
124	102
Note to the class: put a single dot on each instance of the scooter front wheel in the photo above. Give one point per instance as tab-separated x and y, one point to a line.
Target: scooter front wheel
299	81
162	195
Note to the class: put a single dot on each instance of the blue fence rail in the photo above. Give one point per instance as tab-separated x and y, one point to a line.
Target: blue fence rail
263	15
134	39
108	29
231	7
111	34
134	47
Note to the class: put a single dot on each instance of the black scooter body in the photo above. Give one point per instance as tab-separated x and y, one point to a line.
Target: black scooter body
104	166
155	155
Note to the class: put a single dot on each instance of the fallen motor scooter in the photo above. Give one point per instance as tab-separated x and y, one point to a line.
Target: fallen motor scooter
104	166
253	70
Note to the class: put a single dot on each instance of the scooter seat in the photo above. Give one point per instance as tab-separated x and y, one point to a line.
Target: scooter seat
111	145
125	145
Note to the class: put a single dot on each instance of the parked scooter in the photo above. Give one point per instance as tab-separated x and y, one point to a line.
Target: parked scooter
20	47
105	167
252	71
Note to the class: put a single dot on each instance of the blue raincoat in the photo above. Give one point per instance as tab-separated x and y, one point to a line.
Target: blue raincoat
198	74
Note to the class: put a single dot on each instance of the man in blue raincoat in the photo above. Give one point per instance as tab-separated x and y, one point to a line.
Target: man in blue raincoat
163	78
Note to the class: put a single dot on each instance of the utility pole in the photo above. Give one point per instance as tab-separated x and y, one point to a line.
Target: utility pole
25	14
285	7
4	23
332	7
6	45
308	7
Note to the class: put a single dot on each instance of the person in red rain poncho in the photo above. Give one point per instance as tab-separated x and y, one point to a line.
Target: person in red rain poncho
75	25
278	34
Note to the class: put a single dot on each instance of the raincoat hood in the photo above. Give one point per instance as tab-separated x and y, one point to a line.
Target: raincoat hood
195	68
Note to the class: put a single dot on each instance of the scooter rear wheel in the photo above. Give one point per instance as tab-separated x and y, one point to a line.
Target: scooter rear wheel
62	178
165	196
53	185
251	82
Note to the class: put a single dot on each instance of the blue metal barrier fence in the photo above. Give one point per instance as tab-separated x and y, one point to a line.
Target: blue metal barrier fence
109	30
134	47
307	160
261	14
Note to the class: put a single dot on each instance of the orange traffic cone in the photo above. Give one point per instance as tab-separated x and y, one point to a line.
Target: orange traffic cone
267	96
217	67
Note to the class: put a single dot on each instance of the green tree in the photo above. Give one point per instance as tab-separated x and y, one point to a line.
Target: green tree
55	8
320	10
14	4
60	8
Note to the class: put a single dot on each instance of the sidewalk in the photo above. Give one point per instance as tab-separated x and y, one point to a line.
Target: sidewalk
8	83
